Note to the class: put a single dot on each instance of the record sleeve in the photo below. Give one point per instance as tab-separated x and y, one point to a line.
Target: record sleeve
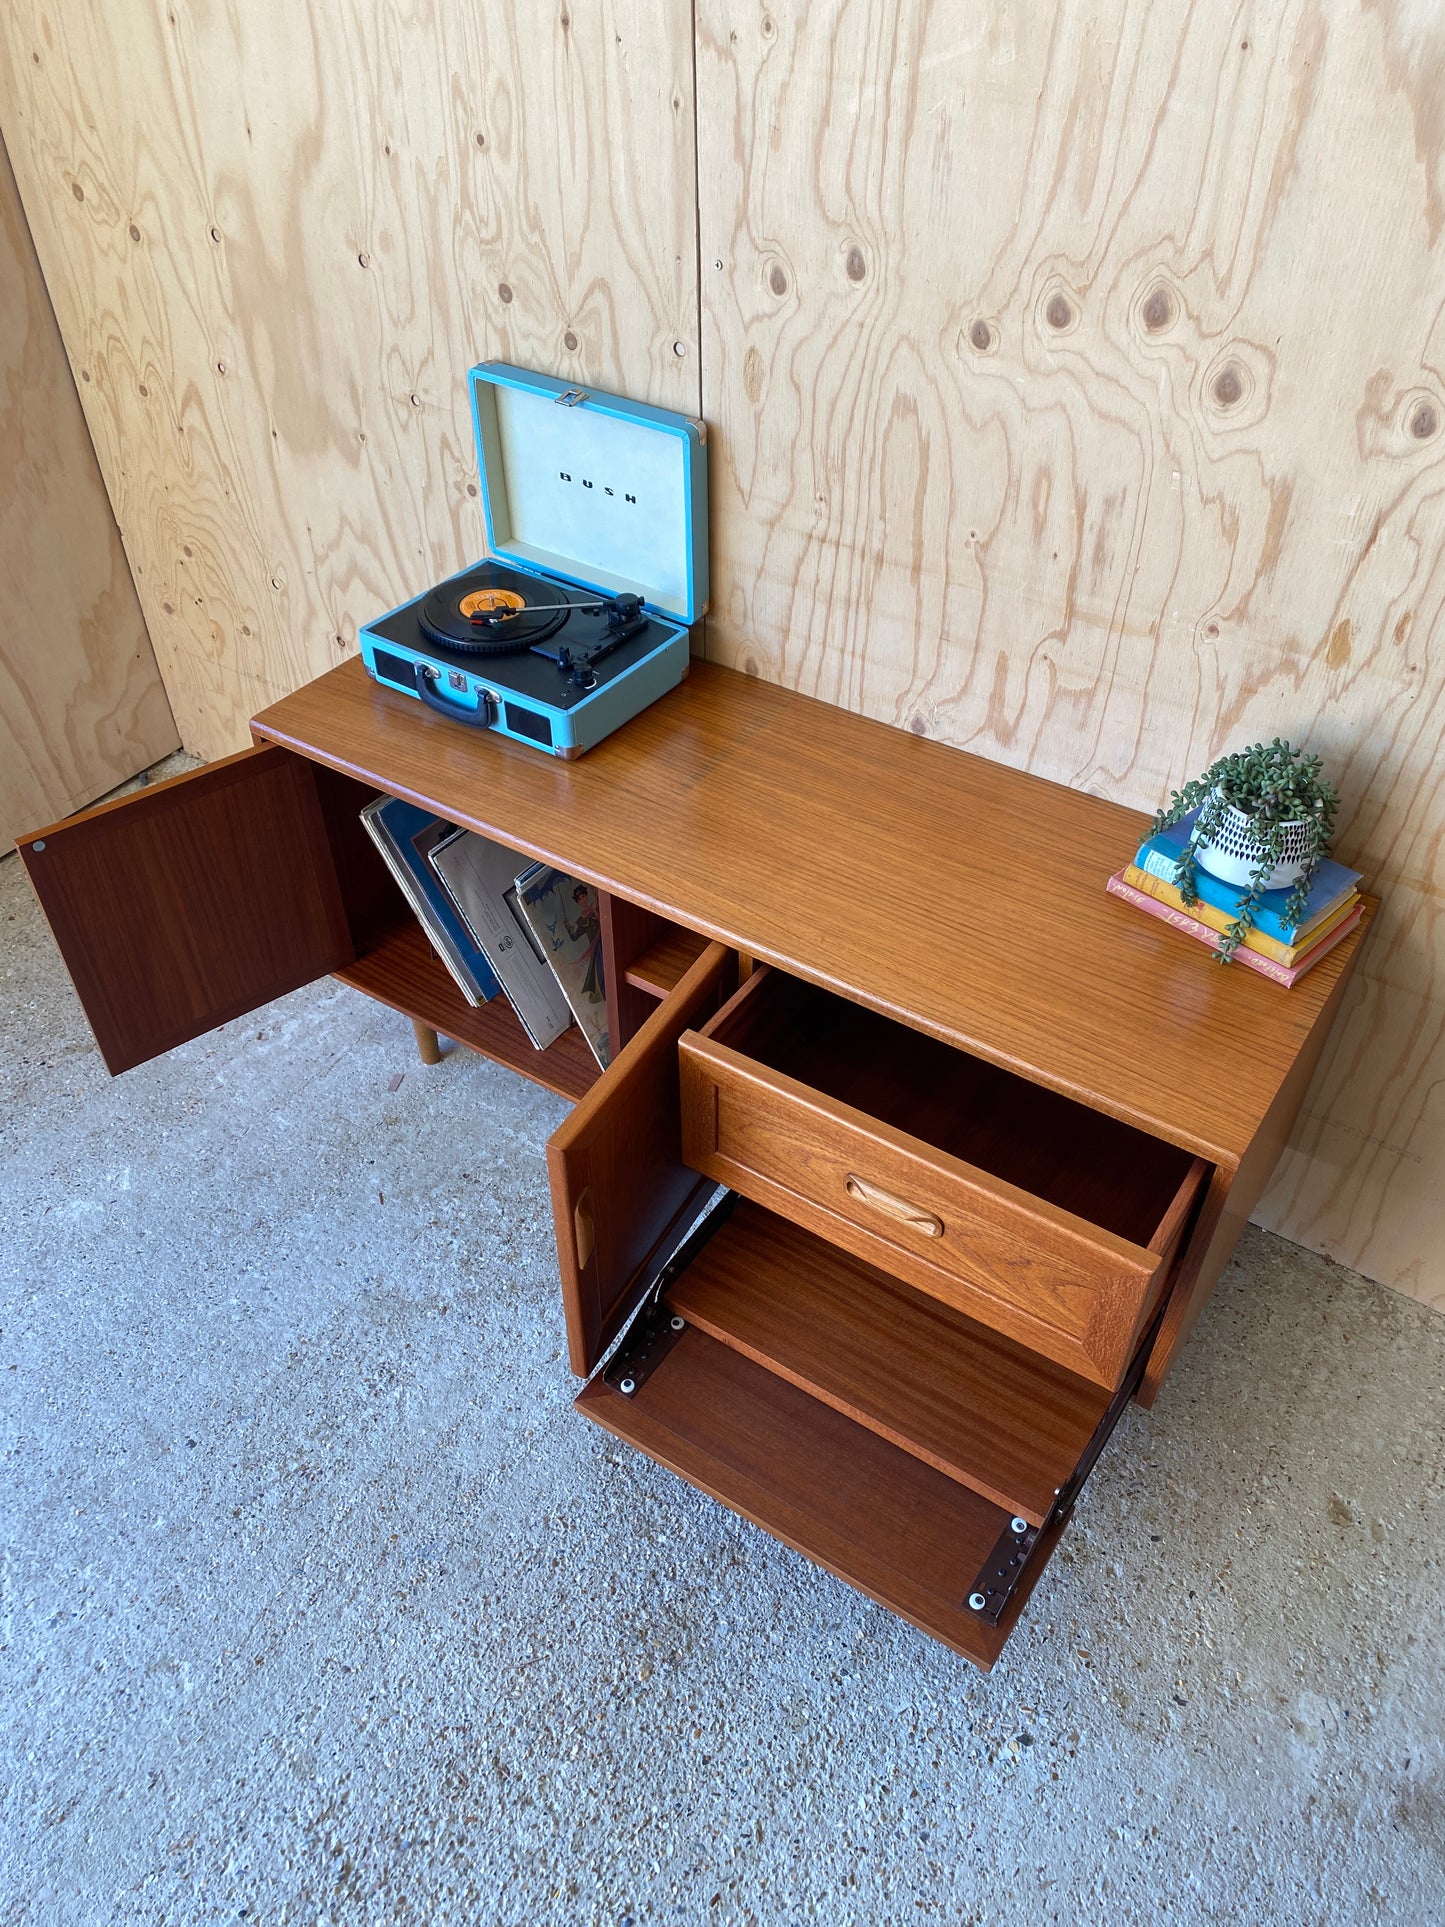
477	875
401	831
565	920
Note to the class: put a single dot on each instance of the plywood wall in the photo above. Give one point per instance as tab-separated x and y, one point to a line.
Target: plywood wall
277	236
1076	376
1079	381
81	702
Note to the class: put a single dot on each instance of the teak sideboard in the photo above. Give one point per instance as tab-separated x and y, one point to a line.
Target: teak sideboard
920	1153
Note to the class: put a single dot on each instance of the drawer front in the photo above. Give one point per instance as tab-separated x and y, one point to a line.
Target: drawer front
1068	1289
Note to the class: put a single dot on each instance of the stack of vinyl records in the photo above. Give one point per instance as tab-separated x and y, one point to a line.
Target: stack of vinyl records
500	923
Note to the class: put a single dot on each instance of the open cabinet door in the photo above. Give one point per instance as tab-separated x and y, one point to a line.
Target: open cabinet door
620	1189
191	903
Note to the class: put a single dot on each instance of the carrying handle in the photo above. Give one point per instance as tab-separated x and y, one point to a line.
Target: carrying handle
482	717
913	1215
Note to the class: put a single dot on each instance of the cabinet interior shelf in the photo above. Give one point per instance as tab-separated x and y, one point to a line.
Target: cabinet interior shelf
664	964
875	1516
400	968
967	1401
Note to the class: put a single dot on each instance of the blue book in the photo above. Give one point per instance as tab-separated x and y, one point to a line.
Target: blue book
1331	884
405	836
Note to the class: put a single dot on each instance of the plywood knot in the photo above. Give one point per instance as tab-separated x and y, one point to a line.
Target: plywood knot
1157	311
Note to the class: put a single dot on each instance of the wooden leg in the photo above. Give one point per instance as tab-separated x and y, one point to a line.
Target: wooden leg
427	1042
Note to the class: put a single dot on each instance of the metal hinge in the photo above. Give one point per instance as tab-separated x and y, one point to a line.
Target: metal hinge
648	1341
652	1331
998	1577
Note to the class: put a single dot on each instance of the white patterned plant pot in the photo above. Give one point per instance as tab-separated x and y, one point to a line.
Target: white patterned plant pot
1233	853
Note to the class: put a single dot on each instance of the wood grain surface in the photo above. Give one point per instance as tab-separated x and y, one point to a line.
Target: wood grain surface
665	961
879	1518
277	237
400	968
955	1394
193	902
620	1190
81	701
682	812
1052	1281
1077	377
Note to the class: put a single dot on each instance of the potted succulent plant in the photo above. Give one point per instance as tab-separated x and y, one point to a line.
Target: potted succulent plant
1266	817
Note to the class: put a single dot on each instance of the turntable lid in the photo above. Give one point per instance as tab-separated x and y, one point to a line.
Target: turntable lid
608	493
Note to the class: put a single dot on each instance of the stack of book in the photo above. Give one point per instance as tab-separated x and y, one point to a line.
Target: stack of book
1278	949
499	922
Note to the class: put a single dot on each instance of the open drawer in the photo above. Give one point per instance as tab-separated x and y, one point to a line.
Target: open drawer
922	1455
1029	1212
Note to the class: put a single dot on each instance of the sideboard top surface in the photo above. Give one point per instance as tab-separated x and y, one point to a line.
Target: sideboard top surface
961	896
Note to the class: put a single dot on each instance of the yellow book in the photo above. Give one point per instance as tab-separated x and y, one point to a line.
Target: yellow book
1287	954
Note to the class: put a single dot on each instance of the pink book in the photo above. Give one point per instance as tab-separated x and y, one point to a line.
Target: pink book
1251	959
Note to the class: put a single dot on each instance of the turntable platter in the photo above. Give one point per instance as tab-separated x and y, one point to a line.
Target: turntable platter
492	611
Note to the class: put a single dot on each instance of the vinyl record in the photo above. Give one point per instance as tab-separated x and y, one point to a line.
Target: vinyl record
492	611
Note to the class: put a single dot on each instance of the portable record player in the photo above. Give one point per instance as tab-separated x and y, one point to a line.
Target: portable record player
596	518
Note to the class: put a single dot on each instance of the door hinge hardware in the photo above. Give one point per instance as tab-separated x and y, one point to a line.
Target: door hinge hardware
1002	1570
998	1579
648	1343
654	1327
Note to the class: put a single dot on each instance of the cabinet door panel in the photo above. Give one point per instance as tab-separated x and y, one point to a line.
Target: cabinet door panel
193	902
619	1185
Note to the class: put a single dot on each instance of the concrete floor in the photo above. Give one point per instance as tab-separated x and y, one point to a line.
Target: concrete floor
321	1605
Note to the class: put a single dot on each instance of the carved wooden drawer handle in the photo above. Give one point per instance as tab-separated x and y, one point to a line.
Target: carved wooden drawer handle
913	1215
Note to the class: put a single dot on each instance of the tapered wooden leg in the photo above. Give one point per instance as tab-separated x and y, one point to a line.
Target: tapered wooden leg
427	1042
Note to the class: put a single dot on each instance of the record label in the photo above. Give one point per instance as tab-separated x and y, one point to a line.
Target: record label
486	602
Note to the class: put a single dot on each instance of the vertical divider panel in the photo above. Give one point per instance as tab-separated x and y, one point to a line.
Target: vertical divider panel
627	931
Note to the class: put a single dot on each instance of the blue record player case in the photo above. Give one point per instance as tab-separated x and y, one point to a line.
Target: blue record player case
596	517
